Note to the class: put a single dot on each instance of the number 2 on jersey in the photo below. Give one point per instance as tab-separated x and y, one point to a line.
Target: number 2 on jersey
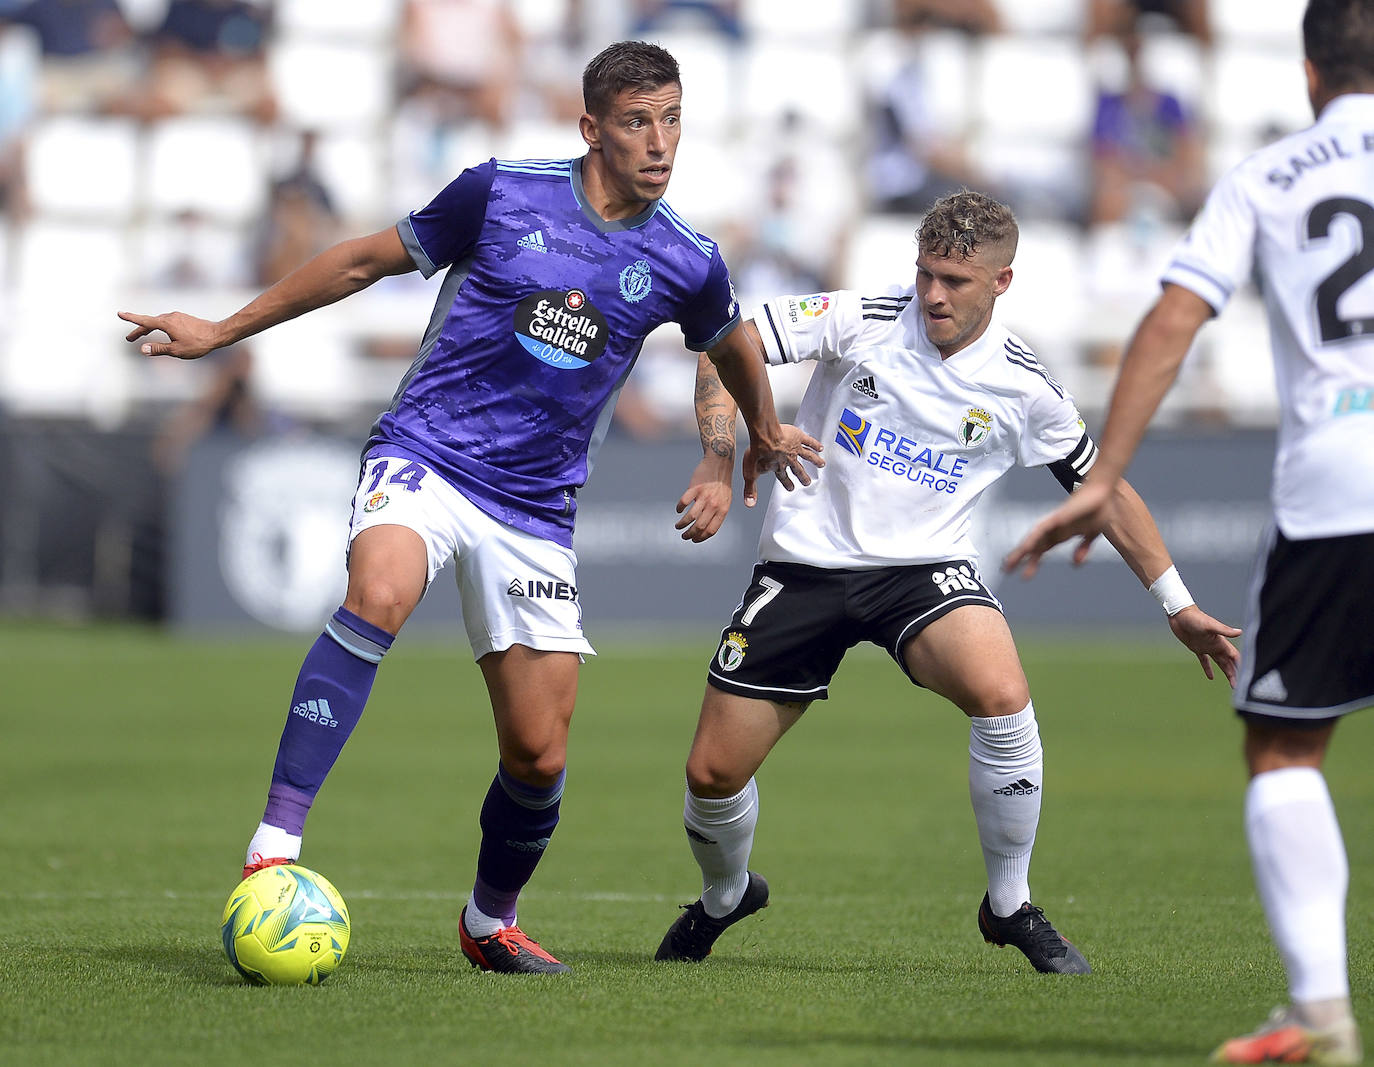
1344	277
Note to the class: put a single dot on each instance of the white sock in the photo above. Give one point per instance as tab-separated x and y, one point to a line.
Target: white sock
478	922
1301	873
1005	772
721	833
272	842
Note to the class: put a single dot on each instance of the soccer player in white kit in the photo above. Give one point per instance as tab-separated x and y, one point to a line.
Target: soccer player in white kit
927	401
1301	211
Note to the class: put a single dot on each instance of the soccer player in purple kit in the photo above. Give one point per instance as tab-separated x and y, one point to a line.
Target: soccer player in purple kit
557	271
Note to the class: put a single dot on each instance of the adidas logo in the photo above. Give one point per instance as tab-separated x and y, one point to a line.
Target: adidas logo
1270	688
867	386
533	241
1018	788
696	836
316	711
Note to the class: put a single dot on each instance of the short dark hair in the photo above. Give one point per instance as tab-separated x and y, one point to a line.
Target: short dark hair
626	65
965	223
1338	37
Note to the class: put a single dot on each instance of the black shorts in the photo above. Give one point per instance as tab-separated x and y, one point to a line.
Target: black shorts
1309	649
795	623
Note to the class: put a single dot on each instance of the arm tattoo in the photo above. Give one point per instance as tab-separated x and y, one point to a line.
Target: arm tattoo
715	411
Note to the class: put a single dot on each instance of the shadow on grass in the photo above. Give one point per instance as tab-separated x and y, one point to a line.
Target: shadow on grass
201	964
1086	1047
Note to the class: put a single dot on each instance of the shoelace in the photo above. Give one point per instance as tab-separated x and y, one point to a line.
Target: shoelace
511	938
697	929
1042	932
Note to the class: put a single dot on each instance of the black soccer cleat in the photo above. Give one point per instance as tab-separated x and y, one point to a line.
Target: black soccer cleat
694	932
1029	930
508	951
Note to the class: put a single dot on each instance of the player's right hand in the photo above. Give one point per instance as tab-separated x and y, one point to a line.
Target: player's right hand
1084	515
795	449
187	336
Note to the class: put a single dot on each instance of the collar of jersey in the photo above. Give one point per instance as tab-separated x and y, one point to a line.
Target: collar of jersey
594	216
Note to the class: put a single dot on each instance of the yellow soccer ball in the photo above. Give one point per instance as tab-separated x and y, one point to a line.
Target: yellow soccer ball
285	925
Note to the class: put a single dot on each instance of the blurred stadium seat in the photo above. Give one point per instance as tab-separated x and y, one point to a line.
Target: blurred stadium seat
330	85
214	165
1032	87
1257	86
83	167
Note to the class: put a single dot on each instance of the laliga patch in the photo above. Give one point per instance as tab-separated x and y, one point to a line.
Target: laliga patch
376	502
813	307
976	425
731	653
563	329
636	282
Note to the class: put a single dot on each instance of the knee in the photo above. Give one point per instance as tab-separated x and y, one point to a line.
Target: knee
535	766
380	601
711	778
996	701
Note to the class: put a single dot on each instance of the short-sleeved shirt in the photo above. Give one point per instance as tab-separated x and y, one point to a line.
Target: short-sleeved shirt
911	439
1301	211
538	322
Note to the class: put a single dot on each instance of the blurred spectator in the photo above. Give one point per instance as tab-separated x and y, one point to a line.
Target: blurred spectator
973	17
210	56
190	252
1106	17
90	58
650	16
301	219
227	406
461	60
916	154
1147	150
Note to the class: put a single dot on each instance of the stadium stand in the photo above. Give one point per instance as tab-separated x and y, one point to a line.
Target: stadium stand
104	196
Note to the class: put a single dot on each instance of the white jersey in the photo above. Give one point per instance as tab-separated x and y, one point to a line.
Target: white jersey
1302	211
911	440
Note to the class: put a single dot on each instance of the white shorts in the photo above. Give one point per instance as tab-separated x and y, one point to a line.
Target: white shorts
515	588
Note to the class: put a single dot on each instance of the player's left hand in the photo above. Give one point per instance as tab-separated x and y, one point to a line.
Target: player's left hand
1209	640
707	501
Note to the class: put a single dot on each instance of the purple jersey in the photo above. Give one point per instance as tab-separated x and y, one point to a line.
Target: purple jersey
540	318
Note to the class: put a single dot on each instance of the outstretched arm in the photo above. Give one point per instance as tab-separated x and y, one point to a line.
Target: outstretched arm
335	273
1132	531
1148	369
740	363
706	502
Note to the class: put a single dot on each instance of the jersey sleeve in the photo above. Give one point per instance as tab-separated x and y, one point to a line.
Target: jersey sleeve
819	326
1055	436
447	228
1215	257
714	311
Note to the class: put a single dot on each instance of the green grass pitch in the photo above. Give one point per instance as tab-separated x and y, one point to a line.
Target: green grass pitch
133	766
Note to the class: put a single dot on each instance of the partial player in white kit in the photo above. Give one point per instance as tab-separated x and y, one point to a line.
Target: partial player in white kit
1301	211
927	401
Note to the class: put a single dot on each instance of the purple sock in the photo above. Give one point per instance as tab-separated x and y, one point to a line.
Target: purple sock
331	692
517	822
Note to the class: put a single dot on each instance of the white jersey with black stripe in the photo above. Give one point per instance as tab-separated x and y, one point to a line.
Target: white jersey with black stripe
911	440
1301	212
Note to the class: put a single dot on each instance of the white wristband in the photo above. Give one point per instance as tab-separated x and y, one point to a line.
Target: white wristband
1172	594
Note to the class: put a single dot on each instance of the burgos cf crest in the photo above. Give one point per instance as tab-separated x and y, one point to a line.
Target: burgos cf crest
636	281
732	649
853	432
975	426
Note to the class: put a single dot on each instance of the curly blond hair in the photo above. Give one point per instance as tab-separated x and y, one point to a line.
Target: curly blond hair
966	223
